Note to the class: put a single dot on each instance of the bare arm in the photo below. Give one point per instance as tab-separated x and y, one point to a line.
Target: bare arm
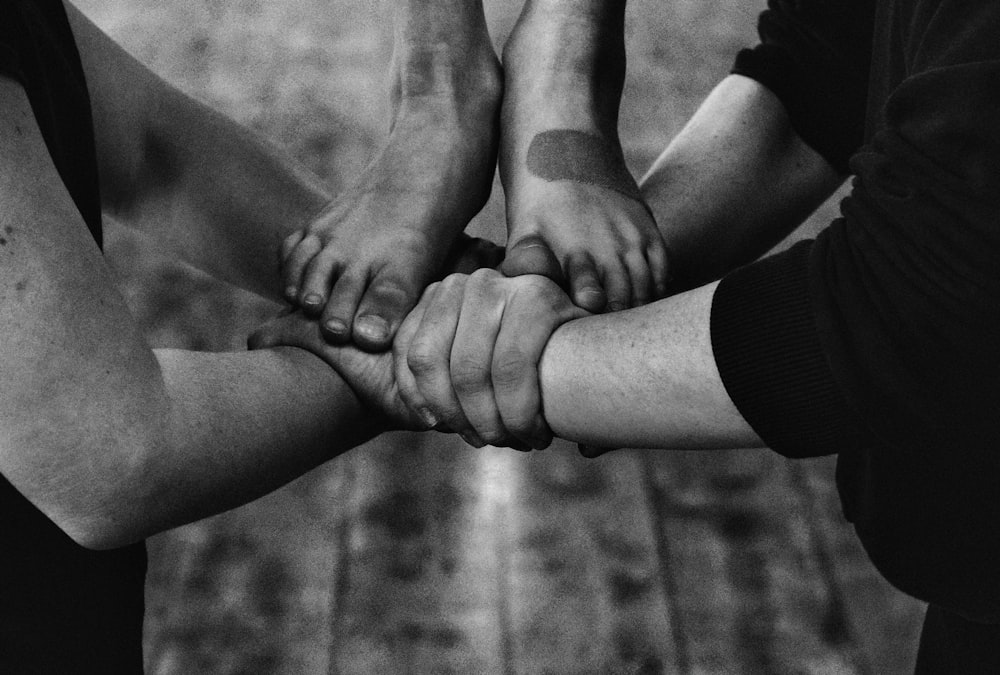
657	388
484	354
110	439
218	195
574	211
734	182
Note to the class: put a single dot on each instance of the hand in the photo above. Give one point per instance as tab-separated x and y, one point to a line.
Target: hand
603	245
370	375
466	358
361	264
575	213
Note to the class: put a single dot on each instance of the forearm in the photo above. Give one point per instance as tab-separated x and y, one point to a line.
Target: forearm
733	183
440	51
657	388
227	429
222	197
570	53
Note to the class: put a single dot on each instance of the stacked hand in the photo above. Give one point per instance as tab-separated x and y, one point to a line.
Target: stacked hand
370	374
465	358
362	262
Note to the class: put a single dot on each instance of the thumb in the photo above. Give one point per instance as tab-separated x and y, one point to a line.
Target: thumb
532	255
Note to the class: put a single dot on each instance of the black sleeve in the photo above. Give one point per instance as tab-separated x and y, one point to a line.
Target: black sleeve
815	56
880	340
11	24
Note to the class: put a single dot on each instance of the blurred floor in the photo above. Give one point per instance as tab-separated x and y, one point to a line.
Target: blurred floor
417	555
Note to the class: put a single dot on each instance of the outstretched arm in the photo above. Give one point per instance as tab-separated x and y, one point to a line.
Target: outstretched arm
362	263
216	194
485	354
574	210
228	201
734	182
110	439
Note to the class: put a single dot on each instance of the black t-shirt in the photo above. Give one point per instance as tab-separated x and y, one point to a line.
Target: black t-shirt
880	340
63	608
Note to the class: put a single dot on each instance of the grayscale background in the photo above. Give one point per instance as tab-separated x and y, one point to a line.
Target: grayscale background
415	554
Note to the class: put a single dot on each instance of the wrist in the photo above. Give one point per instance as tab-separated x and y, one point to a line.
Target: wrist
444	64
571	58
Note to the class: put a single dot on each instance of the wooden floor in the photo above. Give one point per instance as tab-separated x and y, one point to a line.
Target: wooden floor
417	555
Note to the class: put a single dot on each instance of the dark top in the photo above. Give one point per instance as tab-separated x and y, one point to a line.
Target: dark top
63	608
880	339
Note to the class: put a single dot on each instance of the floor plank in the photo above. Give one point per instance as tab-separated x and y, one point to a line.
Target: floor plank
249	591
739	552
586	594
420	588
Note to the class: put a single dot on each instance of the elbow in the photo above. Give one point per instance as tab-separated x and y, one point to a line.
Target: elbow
98	536
116	508
111	521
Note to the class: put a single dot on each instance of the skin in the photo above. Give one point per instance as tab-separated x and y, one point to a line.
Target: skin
734	181
595	237
564	68
486	356
112	440
564	154
361	264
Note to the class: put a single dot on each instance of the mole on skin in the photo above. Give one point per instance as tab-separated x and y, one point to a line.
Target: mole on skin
582	157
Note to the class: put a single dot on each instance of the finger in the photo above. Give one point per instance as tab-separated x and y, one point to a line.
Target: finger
317	279
585	283
590	451
296	262
472	358
522	338
388	298
286	330
617	286
288	245
338	314
429	357
640	277
659	267
531	255
409	393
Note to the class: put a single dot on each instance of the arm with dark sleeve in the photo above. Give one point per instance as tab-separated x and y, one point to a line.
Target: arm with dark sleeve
878	340
769	144
815	56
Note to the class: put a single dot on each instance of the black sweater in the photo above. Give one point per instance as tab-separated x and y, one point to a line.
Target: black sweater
880	340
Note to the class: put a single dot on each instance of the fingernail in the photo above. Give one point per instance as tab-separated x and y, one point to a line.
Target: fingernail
616	306
291	292
335	327
427	417
335	330
373	327
473	439
312	300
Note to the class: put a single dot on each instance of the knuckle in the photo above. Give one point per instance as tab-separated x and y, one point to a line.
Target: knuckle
421	358
511	368
468	375
484	279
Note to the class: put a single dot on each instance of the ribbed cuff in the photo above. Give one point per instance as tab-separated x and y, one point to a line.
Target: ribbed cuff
769	356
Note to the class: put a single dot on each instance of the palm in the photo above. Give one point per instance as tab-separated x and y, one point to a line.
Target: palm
369	375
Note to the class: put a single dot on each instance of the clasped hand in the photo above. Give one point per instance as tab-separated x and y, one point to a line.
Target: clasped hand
464	360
